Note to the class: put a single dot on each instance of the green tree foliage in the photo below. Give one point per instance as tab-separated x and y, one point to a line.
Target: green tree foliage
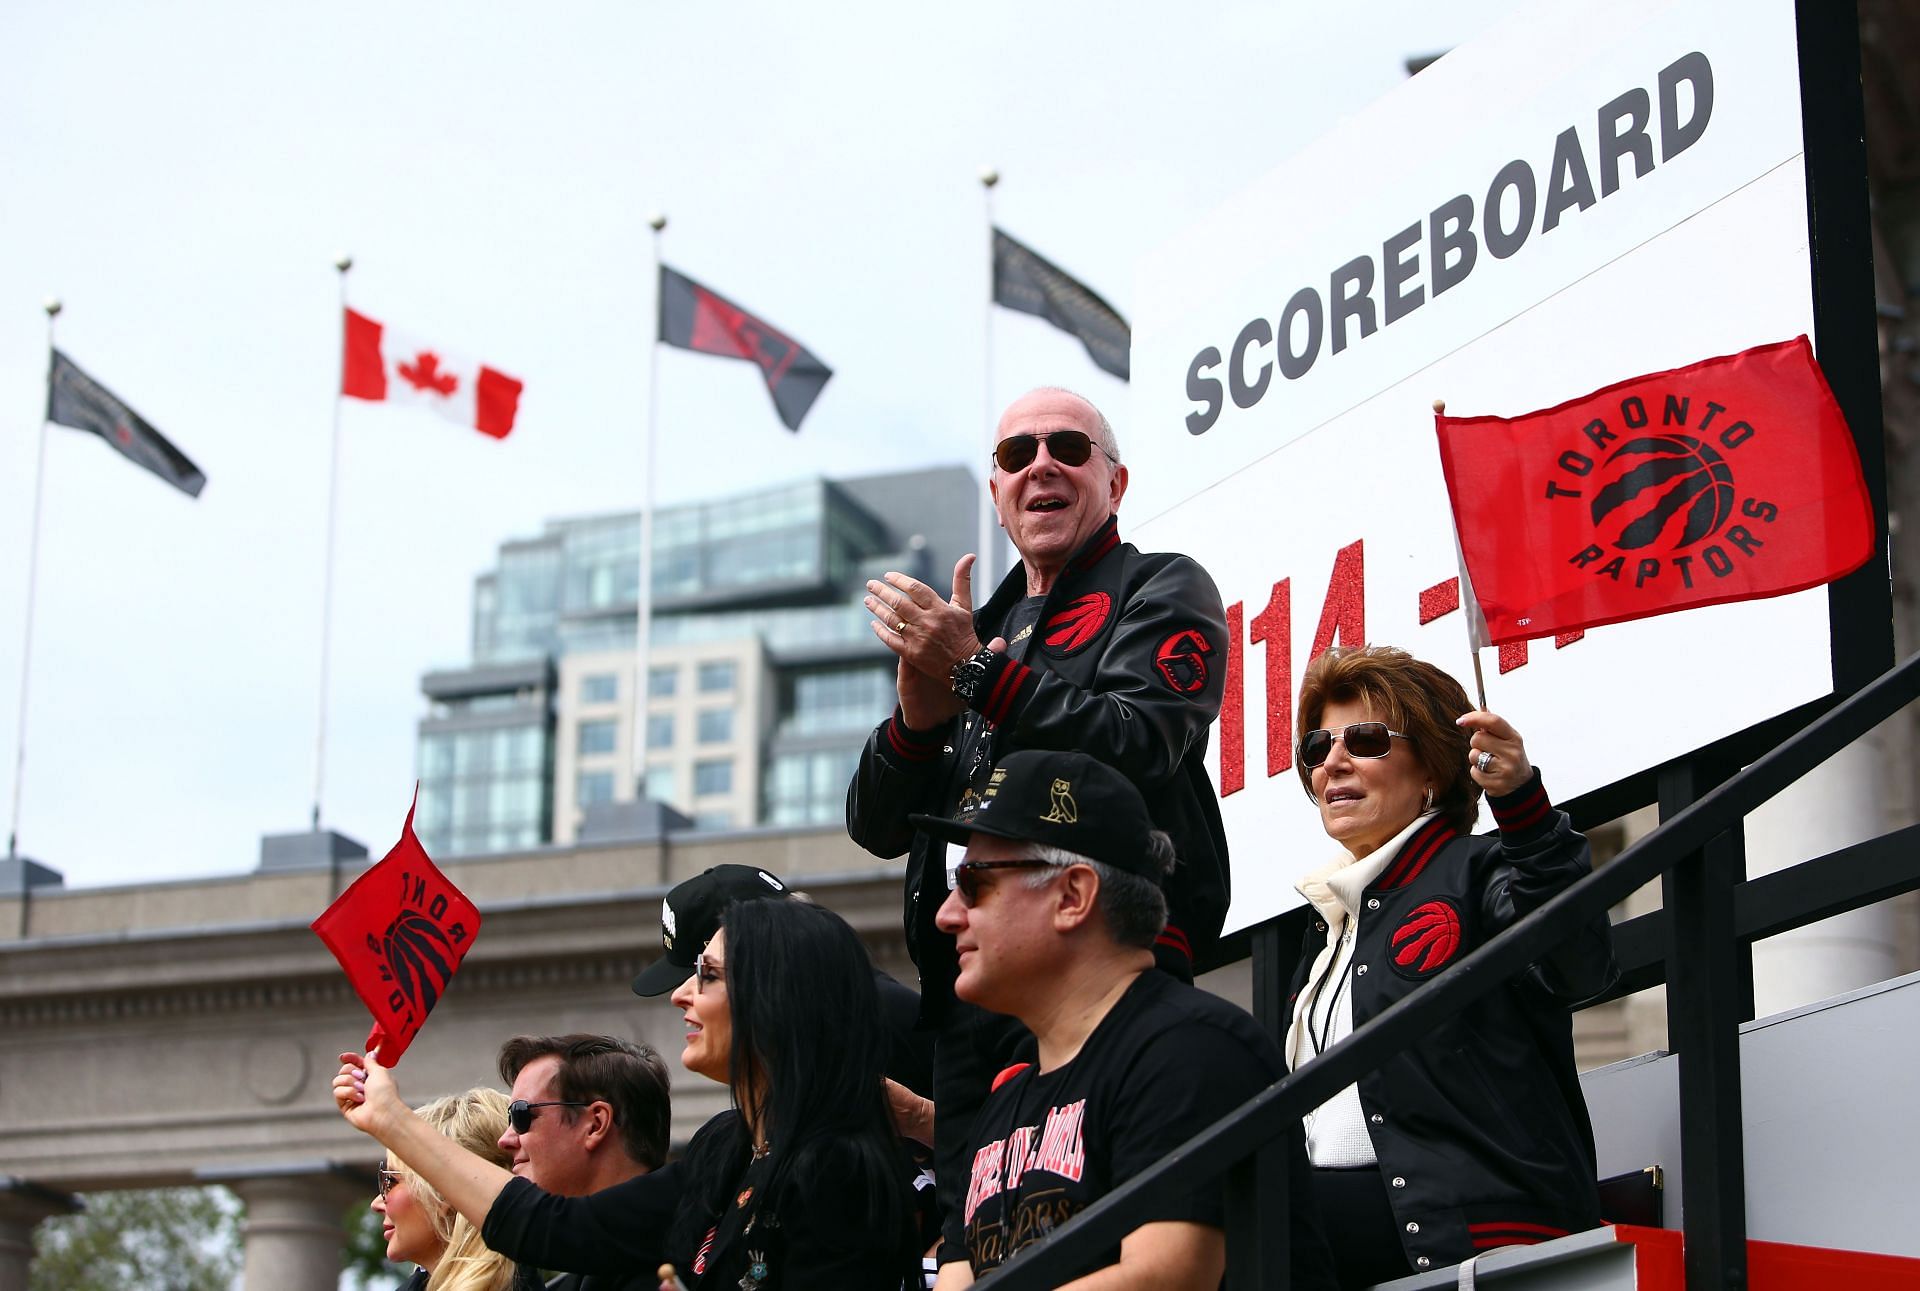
163	1239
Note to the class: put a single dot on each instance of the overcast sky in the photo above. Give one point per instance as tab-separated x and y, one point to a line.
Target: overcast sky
182	175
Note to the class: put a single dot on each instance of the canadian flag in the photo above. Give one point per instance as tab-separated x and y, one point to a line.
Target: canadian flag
385	363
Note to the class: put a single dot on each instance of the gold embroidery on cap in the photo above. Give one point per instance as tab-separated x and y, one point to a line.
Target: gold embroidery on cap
1065	810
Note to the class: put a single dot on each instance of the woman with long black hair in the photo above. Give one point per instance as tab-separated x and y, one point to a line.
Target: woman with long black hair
801	1184
804	1183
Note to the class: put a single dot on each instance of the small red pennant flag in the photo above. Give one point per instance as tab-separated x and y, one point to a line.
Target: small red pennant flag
400	931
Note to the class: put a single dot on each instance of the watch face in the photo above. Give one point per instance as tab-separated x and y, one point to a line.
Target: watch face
969	673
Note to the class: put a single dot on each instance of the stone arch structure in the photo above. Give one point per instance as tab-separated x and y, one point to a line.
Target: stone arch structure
187	1032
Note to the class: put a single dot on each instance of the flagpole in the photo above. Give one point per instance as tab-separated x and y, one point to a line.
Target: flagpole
52	306
342	262
1469	606
983	559
643	618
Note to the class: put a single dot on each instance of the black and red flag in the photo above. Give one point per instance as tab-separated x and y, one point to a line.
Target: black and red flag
77	400
400	931
694	318
1027	281
1729	479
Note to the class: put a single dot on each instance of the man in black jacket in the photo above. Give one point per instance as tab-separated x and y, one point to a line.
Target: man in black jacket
1088	644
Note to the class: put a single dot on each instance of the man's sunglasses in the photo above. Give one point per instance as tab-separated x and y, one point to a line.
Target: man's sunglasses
1067	447
1363	740
389	1180
964	878
520	1113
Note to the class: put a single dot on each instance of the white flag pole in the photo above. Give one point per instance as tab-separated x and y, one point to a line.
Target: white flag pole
1469	603
643	617
342	262
983	571
52	306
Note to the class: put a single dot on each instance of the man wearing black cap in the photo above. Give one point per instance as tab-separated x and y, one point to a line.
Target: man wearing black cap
1054	910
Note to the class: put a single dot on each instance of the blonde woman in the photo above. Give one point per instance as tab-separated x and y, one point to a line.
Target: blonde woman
422	1229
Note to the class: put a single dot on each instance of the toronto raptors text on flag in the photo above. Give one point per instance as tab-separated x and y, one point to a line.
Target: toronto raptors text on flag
694	318
77	400
400	931
382	363
1726	480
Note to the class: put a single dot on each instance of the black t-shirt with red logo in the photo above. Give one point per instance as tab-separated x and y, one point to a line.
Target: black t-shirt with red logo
1166	1062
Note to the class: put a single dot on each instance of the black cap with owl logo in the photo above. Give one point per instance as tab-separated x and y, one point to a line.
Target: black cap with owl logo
690	916
1065	800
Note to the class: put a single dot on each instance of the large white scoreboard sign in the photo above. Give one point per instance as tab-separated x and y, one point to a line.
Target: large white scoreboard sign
1581	195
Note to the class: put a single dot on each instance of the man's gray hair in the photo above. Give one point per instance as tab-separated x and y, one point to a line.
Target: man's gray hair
1134	907
1108	440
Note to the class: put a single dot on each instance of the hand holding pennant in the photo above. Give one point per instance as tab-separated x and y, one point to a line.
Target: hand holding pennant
400	931
1729	479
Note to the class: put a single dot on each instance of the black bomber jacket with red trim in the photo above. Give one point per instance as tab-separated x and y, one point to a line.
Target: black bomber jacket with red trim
1127	664
1480	1128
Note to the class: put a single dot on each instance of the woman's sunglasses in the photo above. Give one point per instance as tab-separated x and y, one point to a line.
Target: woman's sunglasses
1067	447
1363	740
389	1180
706	971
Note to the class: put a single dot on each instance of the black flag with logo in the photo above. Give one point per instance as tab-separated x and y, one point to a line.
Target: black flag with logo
77	400
1025	280
694	318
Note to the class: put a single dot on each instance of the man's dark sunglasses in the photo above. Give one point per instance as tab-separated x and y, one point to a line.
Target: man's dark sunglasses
1363	740
1067	447
520	1113
965	877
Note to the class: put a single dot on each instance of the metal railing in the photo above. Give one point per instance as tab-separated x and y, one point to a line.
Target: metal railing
1708	917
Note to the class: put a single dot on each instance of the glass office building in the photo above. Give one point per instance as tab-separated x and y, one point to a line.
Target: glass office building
764	677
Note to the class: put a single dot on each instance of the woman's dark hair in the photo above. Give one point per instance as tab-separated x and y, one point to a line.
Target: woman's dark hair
809	1052
1410	696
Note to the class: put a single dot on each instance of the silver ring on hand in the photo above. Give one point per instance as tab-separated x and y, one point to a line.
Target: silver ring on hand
1482	762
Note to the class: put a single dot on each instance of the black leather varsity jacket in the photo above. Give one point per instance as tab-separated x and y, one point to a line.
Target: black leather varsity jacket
1480	1129
1127	664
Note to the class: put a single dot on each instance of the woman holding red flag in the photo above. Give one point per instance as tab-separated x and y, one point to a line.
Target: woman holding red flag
1477	1136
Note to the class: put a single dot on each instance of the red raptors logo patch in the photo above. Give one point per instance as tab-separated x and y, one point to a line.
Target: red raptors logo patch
1074	628
1182	661
1426	940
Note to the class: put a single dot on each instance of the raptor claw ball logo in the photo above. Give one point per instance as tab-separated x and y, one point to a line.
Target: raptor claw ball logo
1663	482
1181	661
1074	628
1426	940
420	958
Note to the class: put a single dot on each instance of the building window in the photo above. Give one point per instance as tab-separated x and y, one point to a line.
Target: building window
716	675
592	787
663	785
712	777
597	737
663	683
660	730
599	688
716	725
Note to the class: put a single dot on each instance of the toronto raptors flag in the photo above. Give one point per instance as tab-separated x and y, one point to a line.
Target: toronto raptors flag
382	363
77	400
400	931
1027	281
1726	480
694	318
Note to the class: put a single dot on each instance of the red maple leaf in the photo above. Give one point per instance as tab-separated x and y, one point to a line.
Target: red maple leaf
424	374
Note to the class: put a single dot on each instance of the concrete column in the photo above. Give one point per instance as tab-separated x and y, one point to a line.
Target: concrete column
1839	803
22	1206
294	1233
